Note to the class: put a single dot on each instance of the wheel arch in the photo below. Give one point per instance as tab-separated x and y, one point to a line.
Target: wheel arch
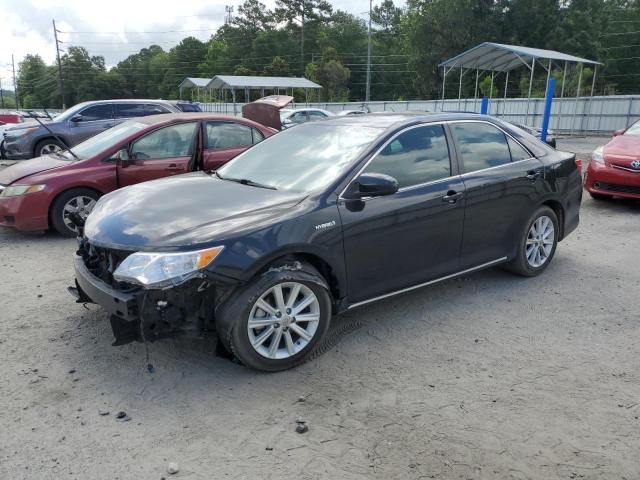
62	192
47	136
558	209
333	276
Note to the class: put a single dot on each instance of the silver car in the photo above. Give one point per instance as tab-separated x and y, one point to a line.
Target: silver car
75	125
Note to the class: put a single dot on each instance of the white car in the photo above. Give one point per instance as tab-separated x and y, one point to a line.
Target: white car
344	113
290	117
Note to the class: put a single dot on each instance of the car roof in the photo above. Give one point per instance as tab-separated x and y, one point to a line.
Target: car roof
133	100
173	117
389	120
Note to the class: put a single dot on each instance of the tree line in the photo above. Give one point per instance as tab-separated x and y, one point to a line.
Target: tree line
310	38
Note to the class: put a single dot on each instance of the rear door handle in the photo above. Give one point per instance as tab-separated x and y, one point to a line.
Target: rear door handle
533	175
452	196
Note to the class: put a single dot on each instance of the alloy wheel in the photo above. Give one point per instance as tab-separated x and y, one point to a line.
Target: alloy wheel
540	241
50	148
82	205
284	320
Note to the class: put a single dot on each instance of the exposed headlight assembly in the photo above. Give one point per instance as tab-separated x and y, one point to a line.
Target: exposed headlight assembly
161	270
15	190
598	155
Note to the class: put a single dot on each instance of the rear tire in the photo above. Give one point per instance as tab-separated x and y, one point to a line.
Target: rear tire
600	196
80	200
48	146
277	338
537	244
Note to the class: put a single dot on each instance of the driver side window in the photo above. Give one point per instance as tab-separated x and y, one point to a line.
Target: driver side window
168	142
416	156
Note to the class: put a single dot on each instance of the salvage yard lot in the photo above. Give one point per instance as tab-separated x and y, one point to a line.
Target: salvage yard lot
487	376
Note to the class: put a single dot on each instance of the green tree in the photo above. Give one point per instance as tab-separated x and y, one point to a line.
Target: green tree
278	68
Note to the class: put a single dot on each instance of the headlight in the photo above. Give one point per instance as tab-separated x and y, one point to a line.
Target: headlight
598	155
20	132
15	190
159	270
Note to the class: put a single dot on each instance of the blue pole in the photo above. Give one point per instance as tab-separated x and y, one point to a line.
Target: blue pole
551	87
484	106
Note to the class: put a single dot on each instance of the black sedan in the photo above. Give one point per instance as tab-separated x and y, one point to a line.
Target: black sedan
319	219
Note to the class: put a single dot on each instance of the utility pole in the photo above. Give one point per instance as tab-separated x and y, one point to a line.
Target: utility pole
55	35
15	85
302	40
1	94
368	89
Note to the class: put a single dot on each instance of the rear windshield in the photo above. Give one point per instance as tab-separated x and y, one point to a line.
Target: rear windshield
189	107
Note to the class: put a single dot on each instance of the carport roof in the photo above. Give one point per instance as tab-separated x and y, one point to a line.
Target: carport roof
241	82
502	58
191	82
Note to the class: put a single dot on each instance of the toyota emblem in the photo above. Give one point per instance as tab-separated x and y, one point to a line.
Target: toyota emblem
635	164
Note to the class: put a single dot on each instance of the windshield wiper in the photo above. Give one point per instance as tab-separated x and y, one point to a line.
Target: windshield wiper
246	181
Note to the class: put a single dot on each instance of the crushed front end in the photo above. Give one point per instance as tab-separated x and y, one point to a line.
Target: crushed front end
140	313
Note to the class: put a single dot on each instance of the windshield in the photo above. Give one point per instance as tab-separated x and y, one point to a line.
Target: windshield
633	129
303	159
104	140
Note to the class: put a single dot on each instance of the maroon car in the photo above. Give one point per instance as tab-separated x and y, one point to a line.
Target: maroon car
41	193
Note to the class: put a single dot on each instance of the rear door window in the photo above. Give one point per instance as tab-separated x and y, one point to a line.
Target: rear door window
416	156
103	111
221	135
129	110
481	145
168	142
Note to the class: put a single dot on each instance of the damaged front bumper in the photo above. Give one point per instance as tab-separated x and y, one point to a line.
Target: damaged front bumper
140	314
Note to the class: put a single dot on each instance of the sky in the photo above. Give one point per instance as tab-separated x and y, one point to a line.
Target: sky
115	28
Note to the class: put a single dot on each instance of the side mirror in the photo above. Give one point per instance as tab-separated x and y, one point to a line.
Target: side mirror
122	158
76	118
371	185
617	133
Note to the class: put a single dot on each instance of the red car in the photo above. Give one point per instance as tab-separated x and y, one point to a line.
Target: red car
614	169
41	193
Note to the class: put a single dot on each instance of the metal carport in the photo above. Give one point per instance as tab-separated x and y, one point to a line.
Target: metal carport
500	58
247	83
194	82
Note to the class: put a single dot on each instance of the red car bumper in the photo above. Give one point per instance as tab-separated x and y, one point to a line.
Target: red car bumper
25	212
605	180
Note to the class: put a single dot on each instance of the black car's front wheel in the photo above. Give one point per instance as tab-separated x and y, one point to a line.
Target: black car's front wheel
537	244
277	321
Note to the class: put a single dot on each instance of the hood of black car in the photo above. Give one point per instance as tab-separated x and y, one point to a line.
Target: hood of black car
181	212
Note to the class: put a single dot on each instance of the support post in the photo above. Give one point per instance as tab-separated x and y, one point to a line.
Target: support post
504	99
367	95
575	107
444	83
460	89
233	96
551	86
593	82
1	95
484	105
533	67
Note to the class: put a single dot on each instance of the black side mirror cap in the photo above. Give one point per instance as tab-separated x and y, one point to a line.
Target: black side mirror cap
76	118
371	185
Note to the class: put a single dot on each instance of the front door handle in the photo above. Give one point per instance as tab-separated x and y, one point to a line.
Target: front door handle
452	197
173	168
533	175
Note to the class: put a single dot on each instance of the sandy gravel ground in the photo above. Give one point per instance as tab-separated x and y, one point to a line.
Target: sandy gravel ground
490	376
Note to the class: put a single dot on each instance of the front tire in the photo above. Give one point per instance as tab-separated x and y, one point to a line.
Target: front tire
77	200
278	320
47	147
537	244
